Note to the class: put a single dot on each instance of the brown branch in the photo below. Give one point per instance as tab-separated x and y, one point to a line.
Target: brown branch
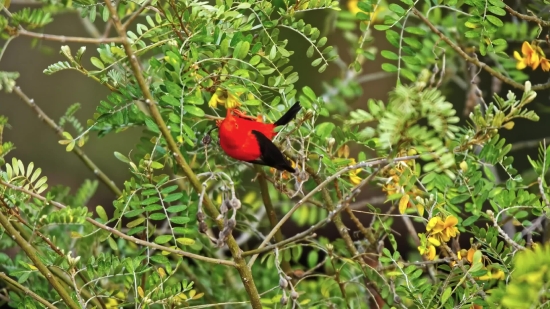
474	60
76	150
530	18
65	39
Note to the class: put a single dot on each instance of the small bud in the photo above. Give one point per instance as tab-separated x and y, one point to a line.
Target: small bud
231	223
200	216
284	300
464	166
331	141
509	125
530	97
283	283
206	139
224	207
235	203
294	295
527	86
203	227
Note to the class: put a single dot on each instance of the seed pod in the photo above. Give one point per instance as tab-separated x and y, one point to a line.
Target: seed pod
294	295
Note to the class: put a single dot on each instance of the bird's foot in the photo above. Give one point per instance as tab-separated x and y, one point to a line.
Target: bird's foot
242	114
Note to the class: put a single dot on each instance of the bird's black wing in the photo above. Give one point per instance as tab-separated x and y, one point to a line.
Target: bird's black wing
270	154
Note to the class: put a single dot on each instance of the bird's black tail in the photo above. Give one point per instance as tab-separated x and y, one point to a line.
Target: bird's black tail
289	115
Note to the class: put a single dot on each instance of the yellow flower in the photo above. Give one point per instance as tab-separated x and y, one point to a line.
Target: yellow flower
442	230
531	56
225	97
426	248
428	252
353	178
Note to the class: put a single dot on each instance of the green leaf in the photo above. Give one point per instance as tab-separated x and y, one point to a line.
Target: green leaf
241	50
494	20
446	294
496	10
163	239
151	125
309	93
185	241
388	67
168	99
97	63
193	110
101	213
324	129
121	157
416	30
389	55
316	62
310	51
397	9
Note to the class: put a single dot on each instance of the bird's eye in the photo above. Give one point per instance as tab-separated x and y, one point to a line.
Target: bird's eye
236	126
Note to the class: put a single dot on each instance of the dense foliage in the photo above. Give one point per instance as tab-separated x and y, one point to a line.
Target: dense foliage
190	229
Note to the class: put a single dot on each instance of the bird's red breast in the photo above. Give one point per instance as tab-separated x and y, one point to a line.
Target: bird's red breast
237	140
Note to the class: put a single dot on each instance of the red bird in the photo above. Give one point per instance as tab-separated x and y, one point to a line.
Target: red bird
249	140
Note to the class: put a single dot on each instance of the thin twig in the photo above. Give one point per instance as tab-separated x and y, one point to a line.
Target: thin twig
76	150
530	18
503	234
66	39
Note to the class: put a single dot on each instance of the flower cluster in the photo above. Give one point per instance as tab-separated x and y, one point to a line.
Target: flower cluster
470	255
225	97
439	231
531	56
343	152
403	173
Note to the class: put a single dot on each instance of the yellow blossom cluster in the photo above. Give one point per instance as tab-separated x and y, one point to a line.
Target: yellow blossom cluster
531	56
402	173
343	152
438	231
225	97
492	273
